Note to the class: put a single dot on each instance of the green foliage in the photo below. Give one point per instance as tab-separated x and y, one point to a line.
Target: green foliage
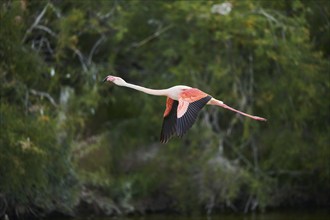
35	167
267	58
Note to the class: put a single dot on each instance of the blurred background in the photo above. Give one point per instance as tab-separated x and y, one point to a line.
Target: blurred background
74	146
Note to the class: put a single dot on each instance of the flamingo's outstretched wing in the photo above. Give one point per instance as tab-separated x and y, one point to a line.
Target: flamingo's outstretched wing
191	101
170	119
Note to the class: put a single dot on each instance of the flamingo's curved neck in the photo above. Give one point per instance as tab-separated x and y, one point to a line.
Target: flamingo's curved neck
158	92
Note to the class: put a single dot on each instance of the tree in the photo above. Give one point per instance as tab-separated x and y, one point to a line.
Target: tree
61	128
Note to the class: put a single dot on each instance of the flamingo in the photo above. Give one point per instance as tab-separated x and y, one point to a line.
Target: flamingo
182	106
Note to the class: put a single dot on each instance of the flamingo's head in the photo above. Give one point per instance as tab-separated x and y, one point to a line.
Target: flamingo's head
114	79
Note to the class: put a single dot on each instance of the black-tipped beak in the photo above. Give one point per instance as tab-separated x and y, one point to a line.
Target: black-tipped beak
105	79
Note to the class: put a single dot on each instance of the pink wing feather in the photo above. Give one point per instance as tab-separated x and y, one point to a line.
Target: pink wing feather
169	122
191	101
180	115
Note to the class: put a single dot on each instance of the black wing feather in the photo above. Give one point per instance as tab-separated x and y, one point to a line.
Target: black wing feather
169	124
188	119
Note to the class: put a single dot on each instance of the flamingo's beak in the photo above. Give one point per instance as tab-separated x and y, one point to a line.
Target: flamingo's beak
109	78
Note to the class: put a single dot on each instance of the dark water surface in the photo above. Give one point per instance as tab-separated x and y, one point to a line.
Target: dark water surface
283	215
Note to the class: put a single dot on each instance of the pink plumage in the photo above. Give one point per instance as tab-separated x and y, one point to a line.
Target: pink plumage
182	106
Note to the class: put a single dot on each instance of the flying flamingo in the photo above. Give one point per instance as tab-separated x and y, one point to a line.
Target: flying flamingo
182	106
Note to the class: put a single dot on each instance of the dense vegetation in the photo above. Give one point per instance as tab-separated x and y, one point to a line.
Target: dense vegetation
72	145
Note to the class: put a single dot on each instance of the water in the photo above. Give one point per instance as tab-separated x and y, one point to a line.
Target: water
287	215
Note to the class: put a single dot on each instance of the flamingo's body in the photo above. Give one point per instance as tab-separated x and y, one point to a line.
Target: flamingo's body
182	106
